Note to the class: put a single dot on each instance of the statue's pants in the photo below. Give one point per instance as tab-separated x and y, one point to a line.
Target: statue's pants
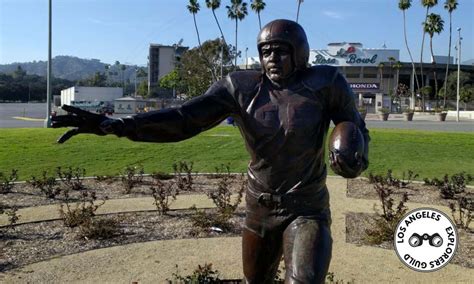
302	235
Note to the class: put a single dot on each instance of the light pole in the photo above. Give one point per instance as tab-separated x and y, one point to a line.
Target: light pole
459	70
47	121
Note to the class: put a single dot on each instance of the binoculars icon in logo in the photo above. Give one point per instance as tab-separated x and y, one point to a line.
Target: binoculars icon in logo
434	240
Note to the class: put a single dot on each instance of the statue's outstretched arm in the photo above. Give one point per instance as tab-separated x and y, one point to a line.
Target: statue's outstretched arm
166	125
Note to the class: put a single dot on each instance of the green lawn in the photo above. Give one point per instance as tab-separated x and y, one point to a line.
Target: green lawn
33	150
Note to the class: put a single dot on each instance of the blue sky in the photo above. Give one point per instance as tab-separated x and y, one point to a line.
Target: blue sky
112	30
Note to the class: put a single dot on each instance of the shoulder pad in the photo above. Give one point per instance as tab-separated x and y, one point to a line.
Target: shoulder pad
318	77
245	82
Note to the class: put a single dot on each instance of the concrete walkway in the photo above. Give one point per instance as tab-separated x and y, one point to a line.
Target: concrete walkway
154	262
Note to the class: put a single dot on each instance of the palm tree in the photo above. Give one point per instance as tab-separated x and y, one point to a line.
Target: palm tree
391	60
214	5
397	66
258	6
298	11
405	5
193	8
434	24
236	11
381	66
428	4
449	5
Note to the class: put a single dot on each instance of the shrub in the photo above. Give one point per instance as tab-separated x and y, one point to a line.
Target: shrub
202	274
131	177
450	186
99	229
7	181
72	178
331	279
12	216
163	194
81	212
385	223
464	208
222	195
390	180
46	184
203	221
183	172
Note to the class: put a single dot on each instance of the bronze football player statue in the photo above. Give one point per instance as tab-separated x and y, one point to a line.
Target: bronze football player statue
283	114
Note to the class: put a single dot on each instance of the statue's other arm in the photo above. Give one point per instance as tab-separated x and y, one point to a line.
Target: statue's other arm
343	108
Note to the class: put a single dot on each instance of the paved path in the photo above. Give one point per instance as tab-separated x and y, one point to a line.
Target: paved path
154	262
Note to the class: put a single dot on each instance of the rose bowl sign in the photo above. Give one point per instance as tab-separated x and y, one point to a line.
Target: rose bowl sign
364	86
351	54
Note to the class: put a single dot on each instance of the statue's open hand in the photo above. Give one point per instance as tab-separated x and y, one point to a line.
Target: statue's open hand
347	167
82	121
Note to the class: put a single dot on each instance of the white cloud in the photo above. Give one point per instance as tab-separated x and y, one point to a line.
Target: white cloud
332	14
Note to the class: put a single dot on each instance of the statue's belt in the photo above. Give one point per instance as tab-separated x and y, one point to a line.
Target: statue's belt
314	196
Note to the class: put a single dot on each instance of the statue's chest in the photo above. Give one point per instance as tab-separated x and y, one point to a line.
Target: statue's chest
286	112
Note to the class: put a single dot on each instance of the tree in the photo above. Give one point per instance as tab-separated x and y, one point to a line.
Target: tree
380	67
193	8
213	5
397	66
99	79
428	4
298	11
391	60
258	6
19	73
194	76
142	89
449	5
172	81
434	24
450	85
237	11
405	5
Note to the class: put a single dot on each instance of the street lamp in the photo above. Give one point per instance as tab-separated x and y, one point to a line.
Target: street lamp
459	70
47	121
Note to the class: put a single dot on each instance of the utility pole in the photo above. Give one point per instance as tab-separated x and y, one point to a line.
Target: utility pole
47	121
459	70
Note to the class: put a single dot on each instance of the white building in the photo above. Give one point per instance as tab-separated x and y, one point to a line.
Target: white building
90	98
130	105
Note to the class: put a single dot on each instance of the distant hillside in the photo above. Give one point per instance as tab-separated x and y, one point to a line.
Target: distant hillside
72	68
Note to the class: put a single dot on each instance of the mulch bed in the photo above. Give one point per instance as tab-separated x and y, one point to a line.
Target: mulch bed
33	242
38	241
357	223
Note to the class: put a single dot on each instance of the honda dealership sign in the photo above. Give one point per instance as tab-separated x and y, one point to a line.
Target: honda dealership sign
351	54
364	86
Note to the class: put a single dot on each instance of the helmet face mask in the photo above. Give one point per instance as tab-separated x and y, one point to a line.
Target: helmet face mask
287	32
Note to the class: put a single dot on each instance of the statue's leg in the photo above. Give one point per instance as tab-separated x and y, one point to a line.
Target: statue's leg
307	246
261	256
